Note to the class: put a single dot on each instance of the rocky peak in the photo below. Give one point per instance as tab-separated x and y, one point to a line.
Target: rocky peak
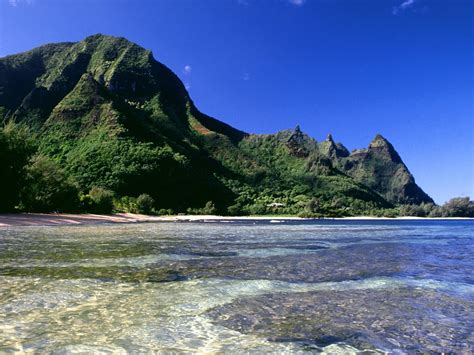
341	150
379	141
380	167
297	135
295	143
382	147
333	150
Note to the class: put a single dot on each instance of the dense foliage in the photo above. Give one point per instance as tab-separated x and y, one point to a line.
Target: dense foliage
100	126
47	188
16	148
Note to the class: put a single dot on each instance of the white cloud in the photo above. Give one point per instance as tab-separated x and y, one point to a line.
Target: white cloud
406	4
15	3
187	86
291	2
187	69
297	2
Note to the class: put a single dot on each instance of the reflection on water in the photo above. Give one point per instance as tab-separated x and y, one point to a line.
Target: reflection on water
255	286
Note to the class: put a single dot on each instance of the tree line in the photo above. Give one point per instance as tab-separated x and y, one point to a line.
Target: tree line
34	182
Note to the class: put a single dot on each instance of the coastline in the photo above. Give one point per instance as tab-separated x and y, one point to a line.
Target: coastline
63	219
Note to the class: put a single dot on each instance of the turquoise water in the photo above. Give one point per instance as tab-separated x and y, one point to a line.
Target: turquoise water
255	286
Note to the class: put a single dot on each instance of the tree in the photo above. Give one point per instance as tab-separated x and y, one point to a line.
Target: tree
412	210
16	149
145	204
47	188
314	205
102	200
235	210
458	207
209	208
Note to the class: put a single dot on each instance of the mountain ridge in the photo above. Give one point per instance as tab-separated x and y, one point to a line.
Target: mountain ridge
111	115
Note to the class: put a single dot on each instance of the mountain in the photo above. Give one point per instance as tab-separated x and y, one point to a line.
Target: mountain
378	167
381	168
109	115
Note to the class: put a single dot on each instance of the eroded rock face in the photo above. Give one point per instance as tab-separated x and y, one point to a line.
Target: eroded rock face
296	144
406	318
380	167
333	150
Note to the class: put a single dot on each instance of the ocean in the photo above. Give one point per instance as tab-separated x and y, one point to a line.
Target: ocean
323	286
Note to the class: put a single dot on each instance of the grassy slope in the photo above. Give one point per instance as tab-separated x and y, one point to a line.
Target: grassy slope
112	116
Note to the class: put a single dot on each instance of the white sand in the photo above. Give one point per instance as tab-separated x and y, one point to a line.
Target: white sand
40	219
43	219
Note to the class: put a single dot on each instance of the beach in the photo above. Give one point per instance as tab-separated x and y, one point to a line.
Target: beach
52	219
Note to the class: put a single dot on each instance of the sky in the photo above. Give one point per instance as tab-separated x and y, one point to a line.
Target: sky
352	68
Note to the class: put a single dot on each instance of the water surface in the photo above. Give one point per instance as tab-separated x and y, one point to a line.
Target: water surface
320	286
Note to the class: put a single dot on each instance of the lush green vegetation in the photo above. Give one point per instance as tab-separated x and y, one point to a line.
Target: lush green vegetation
47	188
100	126
37	183
16	149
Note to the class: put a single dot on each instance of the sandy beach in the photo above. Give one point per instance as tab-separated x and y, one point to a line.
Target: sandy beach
44	219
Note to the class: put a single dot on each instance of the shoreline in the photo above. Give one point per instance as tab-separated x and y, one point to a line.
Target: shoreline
64	219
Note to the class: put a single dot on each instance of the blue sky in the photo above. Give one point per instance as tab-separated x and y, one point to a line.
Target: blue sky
353	68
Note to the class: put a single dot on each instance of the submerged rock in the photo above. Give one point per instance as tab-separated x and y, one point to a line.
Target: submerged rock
408	319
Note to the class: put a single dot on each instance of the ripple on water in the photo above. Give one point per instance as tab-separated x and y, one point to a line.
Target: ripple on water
52	315
389	319
334	287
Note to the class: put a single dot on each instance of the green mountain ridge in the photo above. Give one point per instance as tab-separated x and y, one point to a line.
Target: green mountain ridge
109	115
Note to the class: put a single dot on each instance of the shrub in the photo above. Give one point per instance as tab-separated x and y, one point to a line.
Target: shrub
235	210
257	209
209	208
165	212
145	204
47	188
102	200
390	213
126	204
308	214
437	212
458	207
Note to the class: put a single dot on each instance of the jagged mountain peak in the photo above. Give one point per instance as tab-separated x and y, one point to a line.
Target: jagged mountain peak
379	140
333	150
74	95
297	143
381	146
380	167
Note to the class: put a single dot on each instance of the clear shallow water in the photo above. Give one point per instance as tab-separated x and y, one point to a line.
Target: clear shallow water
225	287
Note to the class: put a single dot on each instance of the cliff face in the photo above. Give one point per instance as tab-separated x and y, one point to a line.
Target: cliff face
36	82
381	168
113	116
333	150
